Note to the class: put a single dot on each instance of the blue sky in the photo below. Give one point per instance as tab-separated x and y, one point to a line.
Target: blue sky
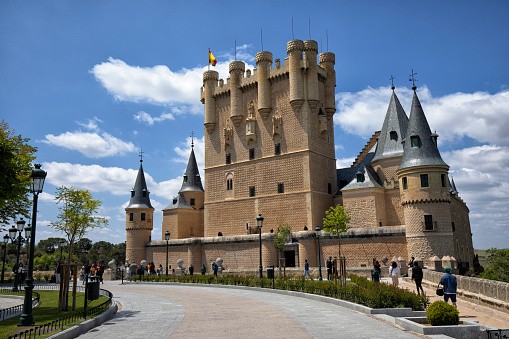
91	83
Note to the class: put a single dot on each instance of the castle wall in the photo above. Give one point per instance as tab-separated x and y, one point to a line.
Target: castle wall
137	233
394	212
366	207
462	234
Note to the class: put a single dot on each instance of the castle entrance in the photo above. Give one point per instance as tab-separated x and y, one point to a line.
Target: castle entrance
290	258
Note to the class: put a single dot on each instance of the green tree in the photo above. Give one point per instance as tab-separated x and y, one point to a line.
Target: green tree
497	265
336	222
78	214
49	245
16	157
283	234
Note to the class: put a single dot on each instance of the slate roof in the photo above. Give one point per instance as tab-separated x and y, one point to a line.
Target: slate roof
140	186
349	174
427	152
178	202
396	121
192	180
452	187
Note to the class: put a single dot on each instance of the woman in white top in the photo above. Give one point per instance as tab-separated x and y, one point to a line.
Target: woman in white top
394	273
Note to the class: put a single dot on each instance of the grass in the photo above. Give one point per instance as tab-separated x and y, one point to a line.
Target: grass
47	311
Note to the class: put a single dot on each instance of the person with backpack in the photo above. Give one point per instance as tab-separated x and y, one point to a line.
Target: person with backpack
417	277
377	272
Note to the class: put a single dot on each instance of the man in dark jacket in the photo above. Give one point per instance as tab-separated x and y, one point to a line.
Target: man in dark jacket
417	277
450	286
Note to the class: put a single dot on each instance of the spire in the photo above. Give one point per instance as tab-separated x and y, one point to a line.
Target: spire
192	180
393	131
419	146
452	186
140	194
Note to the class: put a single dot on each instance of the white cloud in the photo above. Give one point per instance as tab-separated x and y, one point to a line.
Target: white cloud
144	116
46	197
199	152
91	124
481	116
91	145
345	162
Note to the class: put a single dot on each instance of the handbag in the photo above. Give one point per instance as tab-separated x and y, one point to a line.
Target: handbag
440	291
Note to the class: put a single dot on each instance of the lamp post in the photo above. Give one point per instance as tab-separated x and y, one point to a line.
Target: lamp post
259	224
36	183
317	229
167	237
5	242
20	224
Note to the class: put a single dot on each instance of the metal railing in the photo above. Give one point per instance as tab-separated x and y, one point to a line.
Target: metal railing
48	327
500	333
18	308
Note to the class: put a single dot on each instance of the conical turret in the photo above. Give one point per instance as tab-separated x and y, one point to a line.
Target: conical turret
140	194
393	131
419	146
192	180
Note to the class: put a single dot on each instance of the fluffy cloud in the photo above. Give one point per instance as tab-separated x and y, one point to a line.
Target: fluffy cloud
92	124
158	84
199	152
144	116
91	145
480	116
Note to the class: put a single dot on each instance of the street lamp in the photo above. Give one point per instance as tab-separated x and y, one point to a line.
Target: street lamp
36	184
5	242
62	244
317	229
167	237
20	224
259	224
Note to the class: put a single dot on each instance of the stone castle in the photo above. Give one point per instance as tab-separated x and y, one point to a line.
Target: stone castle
269	150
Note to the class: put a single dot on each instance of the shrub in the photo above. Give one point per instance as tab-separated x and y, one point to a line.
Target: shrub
441	313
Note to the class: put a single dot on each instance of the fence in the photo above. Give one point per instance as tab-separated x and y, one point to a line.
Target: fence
18	308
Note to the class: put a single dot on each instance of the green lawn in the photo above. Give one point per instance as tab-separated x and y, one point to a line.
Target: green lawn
47	311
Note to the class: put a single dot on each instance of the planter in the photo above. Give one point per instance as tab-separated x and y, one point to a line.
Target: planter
465	330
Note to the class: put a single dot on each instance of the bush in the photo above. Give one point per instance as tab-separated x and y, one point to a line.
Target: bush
441	313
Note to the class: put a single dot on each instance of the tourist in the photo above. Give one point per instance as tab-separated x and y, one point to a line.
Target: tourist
86	272
58	270
160	270
417	277
191	270
377	272
215	268
306	269
203	269
133	269
100	272
411	262
394	273
329	268
152	270
173	272
450	286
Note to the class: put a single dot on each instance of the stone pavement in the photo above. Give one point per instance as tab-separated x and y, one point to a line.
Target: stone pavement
189	311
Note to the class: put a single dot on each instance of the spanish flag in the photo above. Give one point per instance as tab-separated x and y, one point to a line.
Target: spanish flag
212	59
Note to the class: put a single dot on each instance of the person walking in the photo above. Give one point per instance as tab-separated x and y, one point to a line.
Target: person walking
203	269
329	268
450	286
417	277
58	270
394	273
191	270
215	268
306	269
377	272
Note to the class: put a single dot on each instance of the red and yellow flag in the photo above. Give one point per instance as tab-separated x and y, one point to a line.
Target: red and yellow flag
212	59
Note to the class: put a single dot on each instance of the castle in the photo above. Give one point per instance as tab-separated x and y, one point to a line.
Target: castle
269	150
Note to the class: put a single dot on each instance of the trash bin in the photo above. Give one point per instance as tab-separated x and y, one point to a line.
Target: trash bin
270	272
92	290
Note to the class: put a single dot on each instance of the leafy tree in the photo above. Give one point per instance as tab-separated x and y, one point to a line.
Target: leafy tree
497	265
81	250
336	222
118	253
16	157
77	216
49	245
100	252
281	238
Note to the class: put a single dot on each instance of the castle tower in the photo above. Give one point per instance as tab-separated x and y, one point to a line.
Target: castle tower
209	84
183	218
424	190
139	219
327	61
282	154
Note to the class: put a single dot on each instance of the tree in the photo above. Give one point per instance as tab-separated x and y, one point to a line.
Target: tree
16	157
77	216
497	265
49	245
282	234
336	221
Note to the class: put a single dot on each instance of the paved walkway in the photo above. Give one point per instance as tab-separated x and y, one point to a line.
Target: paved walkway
164	311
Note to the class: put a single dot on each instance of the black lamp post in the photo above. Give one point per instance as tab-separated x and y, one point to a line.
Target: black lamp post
167	237
36	184
317	229
259	224
5	242
20	224
62	243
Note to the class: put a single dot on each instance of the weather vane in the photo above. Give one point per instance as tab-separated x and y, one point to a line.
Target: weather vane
392	82
141	155
413	80
192	138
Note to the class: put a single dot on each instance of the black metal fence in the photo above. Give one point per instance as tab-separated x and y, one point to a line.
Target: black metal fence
6	312
498	334
67	320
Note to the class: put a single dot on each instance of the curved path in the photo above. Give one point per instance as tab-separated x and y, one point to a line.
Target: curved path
188	311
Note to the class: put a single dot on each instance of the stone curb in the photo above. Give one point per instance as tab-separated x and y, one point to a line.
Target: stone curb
394	312
76	330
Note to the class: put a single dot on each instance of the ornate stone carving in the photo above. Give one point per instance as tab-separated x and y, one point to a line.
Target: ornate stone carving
251	123
277	125
228	133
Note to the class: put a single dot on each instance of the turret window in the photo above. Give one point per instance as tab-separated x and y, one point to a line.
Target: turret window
228	159
229	184
453	227
191	202
281	187
185	178
428	223
131	216
405	183
393	135
251	154
329	188
198	179
424	180
132	193
444	183
143	217
277	149
414	140
252	191
360	177
144	193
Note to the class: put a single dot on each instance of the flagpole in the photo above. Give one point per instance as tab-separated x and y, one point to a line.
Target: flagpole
209	59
